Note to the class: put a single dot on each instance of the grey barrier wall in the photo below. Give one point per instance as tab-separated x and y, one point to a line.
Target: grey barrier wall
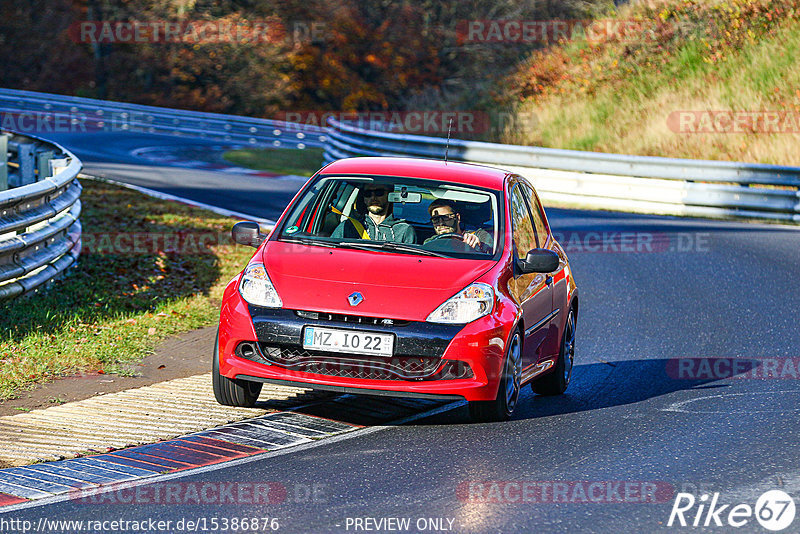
603	181
43	112
40	234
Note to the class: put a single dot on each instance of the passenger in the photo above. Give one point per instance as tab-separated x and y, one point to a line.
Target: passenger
446	220
379	223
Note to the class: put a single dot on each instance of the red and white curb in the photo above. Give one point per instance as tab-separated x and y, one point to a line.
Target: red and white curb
300	426
230	442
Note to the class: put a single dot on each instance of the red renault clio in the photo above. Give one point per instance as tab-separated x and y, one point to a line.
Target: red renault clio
402	277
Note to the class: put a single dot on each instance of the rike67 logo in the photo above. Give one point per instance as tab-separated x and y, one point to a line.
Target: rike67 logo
774	510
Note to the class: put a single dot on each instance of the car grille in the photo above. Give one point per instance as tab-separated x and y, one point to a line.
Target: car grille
350	366
355	366
351	319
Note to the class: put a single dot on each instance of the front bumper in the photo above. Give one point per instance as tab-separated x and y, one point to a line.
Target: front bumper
478	347
418	347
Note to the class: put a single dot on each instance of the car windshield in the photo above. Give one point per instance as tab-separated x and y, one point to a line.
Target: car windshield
392	214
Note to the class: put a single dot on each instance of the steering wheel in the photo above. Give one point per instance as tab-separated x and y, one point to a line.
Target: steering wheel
451	235
450	241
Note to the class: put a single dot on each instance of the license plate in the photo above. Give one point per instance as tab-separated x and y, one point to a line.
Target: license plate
353	342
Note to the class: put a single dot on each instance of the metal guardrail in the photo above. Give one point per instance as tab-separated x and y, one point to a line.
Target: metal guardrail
50	112
40	234
597	180
585	179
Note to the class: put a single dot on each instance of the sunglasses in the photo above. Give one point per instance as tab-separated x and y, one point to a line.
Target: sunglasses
441	219
375	192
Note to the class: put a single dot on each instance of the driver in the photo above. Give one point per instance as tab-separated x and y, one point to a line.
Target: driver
379	223
446	220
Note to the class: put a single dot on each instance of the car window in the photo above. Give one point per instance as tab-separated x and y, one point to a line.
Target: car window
523	230
536	211
342	195
415	212
332	206
370	210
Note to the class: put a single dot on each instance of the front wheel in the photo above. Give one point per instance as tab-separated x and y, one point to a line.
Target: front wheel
556	382
501	408
232	392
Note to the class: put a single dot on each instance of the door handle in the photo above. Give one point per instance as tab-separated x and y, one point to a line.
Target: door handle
548	280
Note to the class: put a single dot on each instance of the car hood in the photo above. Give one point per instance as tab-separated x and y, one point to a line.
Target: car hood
397	286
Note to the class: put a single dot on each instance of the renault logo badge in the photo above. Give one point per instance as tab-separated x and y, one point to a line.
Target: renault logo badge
355	298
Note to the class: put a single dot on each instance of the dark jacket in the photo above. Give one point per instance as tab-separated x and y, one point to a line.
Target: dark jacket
390	229
485	238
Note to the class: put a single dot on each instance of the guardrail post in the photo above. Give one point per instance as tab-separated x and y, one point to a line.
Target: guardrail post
3	162
57	165
43	165
26	154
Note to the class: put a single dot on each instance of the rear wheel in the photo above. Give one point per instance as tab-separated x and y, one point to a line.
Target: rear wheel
556	382
232	392
501	408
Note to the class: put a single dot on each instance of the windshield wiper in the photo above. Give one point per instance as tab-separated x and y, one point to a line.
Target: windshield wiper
308	241
390	245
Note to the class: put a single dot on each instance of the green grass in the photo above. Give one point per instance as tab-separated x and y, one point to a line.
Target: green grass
740	55
301	162
111	310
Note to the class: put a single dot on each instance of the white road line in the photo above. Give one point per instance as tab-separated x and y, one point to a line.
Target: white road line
680	406
268	223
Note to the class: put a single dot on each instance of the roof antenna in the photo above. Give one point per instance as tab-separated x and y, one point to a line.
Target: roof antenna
447	148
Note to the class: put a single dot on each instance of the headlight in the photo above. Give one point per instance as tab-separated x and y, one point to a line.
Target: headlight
475	301
256	287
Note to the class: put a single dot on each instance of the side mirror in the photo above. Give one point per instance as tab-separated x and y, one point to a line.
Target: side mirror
540	260
247	233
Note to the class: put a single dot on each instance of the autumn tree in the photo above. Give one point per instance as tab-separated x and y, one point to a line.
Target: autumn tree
37	53
323	54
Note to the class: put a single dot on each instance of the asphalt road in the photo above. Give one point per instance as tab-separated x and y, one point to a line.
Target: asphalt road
181	167
694	289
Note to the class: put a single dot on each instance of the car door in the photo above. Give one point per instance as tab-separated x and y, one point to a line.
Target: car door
557	279
530	290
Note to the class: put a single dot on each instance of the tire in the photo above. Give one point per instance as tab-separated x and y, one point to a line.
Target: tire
232	392
556	382
501	408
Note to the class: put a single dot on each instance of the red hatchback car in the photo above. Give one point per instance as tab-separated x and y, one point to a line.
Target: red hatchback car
402	277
